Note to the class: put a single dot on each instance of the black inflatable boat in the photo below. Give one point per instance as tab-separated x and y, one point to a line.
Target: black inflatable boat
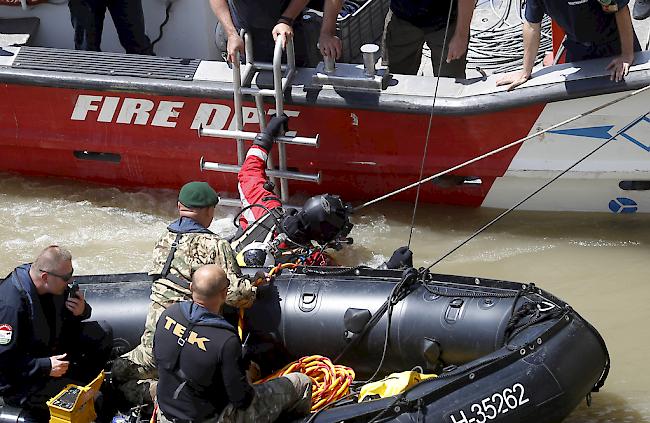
504	351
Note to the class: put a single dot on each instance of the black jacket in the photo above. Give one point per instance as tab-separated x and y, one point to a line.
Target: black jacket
200	367
31	328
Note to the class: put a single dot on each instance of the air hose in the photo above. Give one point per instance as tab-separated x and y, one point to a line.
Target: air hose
330	382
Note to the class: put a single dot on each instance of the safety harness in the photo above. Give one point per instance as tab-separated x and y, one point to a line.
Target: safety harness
261	230
165	274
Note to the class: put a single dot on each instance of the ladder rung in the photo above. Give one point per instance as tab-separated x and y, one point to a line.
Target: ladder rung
262	91
274	173
243	135
267	66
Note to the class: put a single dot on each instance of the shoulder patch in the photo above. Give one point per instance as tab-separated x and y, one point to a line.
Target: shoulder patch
6	332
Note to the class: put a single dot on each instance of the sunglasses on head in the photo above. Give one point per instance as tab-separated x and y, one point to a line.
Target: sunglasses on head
65	278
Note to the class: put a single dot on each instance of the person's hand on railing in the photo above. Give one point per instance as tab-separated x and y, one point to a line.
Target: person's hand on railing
284	29
619	67
513	79
235	44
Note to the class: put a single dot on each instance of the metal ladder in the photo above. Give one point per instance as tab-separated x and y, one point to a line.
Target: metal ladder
241	87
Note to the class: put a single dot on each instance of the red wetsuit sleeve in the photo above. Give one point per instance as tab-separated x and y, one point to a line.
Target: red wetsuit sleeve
252	177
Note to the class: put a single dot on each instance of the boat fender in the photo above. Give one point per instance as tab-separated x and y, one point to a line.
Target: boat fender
392	385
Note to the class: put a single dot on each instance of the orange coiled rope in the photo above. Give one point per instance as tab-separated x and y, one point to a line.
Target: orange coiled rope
330	382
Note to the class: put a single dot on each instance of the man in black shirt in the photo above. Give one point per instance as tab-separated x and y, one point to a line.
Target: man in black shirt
200	366
265	20
44	345
594	28
411	23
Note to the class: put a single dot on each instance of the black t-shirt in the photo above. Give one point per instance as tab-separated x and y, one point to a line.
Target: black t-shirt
425	13
258	14
197	380
584	21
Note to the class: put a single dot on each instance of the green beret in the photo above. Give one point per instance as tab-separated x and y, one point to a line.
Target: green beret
198	195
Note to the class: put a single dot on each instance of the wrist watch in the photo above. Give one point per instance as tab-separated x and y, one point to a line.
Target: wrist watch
286	20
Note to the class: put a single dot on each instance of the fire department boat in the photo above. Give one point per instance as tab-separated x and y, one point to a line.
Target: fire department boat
133	121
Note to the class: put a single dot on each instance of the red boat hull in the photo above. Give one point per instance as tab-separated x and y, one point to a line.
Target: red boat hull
363	153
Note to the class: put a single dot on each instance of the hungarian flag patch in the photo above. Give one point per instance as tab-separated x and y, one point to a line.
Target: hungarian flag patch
6	331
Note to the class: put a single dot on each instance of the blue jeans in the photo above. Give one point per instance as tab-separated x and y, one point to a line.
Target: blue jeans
88	22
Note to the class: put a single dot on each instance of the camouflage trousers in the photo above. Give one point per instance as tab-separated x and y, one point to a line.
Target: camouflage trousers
142	355
290	394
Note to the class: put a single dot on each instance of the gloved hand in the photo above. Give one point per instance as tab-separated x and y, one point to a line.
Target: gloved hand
261	278
402	257
276	126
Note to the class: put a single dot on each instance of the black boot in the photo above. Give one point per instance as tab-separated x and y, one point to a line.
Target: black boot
641	9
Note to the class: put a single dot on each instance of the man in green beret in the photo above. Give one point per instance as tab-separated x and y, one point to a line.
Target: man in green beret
186	245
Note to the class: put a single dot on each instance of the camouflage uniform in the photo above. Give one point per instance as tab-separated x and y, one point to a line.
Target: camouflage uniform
193	251
290	394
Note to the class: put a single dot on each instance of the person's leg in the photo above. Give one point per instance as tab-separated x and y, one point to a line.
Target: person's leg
436	42
87	18
134	373
89	351
402	46
290	394
305	41
35	405
142	354
263	44
128	18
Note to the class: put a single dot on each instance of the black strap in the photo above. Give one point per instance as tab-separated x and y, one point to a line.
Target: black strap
164	274
170	256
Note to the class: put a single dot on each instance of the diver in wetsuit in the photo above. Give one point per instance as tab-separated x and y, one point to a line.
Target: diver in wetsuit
324	219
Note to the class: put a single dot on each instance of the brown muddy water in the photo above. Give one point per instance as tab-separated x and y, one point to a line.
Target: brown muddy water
596	262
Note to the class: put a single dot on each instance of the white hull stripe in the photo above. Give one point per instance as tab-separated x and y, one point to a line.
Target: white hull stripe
248	213
257	152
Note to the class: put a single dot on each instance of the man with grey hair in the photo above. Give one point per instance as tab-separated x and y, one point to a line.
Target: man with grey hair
43	343
201	369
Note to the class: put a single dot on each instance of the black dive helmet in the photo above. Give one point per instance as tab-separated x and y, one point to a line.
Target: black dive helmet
323	218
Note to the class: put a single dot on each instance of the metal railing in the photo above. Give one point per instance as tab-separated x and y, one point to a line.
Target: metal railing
242	86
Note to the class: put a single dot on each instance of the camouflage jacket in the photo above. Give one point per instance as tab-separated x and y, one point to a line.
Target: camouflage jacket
193	251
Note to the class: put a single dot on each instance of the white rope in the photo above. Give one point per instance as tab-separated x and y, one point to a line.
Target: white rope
505	147
529	196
